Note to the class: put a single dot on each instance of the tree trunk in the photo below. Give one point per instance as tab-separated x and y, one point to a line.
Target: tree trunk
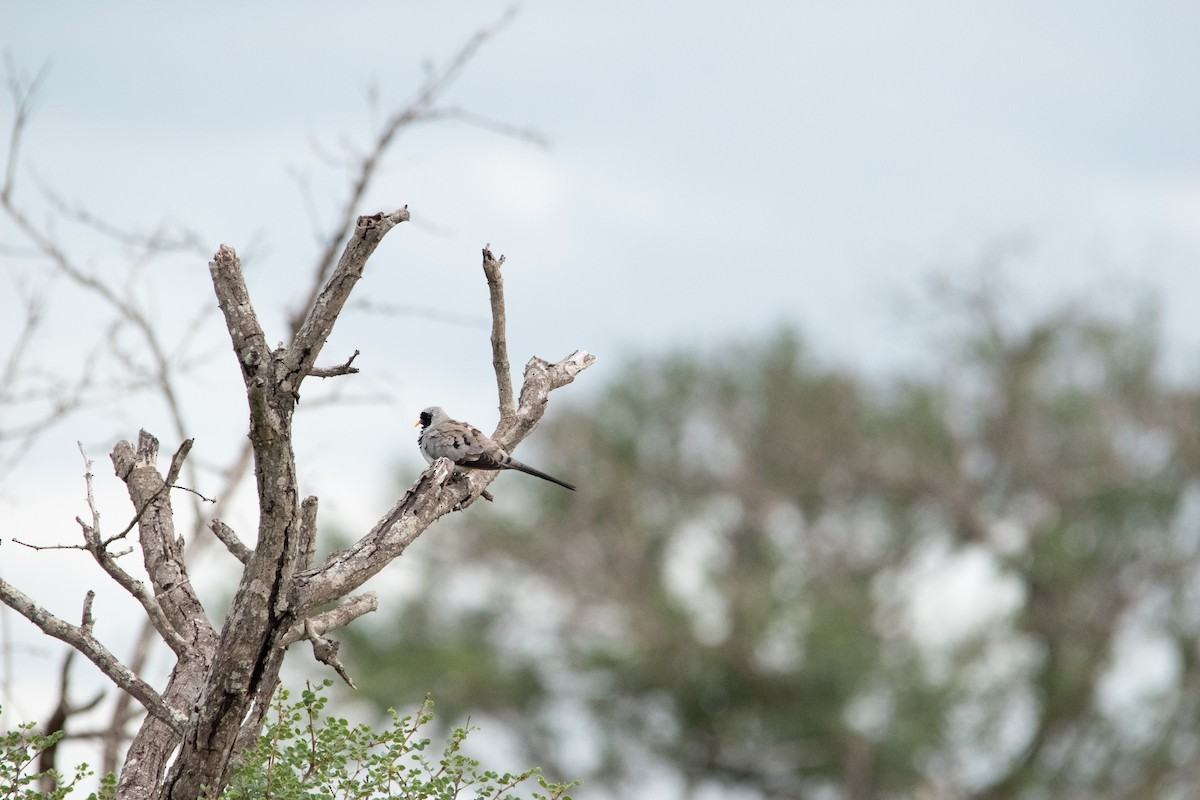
222	684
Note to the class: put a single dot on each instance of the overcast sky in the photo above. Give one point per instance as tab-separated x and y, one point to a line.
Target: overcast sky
710	172
713	170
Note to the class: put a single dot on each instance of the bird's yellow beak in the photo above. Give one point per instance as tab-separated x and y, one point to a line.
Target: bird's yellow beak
415	424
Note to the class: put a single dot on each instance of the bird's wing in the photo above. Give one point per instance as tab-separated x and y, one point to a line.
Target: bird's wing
465	445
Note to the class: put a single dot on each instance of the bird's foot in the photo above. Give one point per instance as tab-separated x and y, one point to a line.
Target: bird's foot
465	504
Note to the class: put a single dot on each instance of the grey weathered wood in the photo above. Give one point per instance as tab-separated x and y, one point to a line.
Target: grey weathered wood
220	688
249	651
162	553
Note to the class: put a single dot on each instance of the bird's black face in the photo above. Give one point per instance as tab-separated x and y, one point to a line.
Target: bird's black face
426	419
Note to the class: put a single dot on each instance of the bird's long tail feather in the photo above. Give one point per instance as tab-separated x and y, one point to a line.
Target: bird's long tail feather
537	473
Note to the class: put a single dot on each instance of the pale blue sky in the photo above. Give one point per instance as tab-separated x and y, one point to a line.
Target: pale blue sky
712	170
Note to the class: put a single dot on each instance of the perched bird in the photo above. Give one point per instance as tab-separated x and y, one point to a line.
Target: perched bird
467	446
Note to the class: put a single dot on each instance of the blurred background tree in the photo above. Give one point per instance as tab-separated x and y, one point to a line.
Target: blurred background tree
789	580
779	578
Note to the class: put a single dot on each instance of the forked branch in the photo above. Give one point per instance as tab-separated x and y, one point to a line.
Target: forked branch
434	494
80	637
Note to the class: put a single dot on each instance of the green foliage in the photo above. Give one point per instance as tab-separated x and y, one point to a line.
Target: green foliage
451	656
304	754
19	751
734	589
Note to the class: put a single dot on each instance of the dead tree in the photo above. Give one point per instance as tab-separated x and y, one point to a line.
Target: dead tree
222	682
156	356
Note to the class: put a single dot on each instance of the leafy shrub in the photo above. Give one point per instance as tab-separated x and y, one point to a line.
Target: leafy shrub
303	754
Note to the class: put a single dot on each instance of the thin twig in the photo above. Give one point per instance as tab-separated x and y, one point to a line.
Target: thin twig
177	462
333	372
22	95
420	312
15	540
91	500
107	561
159	240
136	517
190	490
422	108
64	709
526	134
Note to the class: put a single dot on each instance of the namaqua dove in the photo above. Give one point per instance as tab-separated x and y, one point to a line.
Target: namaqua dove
467	446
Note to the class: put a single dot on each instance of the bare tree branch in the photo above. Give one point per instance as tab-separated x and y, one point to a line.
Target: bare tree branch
39	547
351	608
326	651
530	135
333	372
226	681
423	107
64	709
432	496
422	312
160	239
124	711
541	378
344	571
165	362
24	384
22	93
177	462
317	326
162	552
231	541
495	282
99	550
308	532
247	656
81	638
